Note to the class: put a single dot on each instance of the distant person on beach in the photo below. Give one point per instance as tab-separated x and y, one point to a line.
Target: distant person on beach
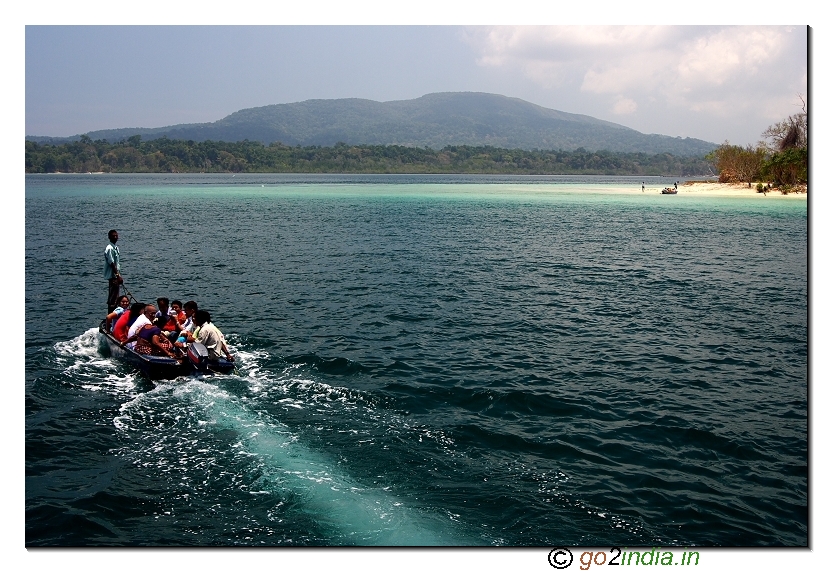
112	270
642	187
675	185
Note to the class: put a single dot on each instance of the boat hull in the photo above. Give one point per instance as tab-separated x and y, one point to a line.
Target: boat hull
158	368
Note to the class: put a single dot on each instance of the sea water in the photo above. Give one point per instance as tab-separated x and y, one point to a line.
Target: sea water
422	360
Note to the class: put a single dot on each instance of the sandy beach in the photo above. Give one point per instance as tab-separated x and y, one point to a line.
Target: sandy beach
705	188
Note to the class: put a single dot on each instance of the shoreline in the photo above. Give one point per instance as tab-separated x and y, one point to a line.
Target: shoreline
721	189
738	189
703	188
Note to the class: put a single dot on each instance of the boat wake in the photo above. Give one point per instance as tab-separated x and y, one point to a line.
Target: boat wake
80	360
200	434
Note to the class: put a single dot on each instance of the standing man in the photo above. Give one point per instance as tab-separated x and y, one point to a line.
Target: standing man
642	187
112	270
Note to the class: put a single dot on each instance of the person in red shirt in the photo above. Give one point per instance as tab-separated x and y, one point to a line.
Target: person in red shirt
127	318
176	309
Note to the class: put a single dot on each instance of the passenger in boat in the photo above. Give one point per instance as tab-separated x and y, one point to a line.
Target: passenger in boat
146	318
190	308
176	310
122	326
208	334
166	320
179	315
187	326
123	305
151	341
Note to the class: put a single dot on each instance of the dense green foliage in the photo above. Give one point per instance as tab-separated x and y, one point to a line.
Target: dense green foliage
167	155
787	167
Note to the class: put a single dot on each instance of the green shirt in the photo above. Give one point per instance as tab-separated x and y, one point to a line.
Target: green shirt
110	258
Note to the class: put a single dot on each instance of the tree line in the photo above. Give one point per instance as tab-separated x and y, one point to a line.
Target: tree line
781	158
163	155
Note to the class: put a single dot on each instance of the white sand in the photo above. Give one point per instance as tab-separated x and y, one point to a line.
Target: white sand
730	189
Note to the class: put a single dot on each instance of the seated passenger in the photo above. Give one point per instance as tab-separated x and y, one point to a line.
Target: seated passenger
208	334
166	320
176	309
190	308
151	341
127	319
144	319
123	305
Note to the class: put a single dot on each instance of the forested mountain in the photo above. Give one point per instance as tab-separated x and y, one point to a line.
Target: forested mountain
436	120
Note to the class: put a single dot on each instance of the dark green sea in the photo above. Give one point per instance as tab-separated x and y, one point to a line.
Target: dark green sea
422	360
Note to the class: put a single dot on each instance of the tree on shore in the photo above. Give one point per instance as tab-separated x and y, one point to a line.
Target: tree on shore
788	140
791	133
782	158
738	164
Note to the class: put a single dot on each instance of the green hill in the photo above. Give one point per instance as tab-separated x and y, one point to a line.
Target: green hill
435	120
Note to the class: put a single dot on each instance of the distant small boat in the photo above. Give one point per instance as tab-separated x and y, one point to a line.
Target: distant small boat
669	191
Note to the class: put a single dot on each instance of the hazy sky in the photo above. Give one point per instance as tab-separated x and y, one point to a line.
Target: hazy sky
710	82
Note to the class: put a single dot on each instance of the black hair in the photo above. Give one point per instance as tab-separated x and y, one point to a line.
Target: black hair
190	305
161	300
123	297
111	232
202	316
176	302
136	309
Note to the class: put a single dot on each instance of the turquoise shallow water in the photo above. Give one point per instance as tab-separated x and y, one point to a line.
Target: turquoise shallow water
423	360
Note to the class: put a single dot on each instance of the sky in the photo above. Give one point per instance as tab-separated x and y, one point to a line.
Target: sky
714	83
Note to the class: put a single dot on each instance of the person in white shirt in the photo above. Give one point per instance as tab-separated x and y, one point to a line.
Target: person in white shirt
146	318
208	334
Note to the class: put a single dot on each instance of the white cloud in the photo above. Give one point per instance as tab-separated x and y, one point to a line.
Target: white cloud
681	55
728	55
624	106
552	55
704	70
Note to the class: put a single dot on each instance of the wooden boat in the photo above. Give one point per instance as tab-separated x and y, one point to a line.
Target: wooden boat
196	360
669	191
